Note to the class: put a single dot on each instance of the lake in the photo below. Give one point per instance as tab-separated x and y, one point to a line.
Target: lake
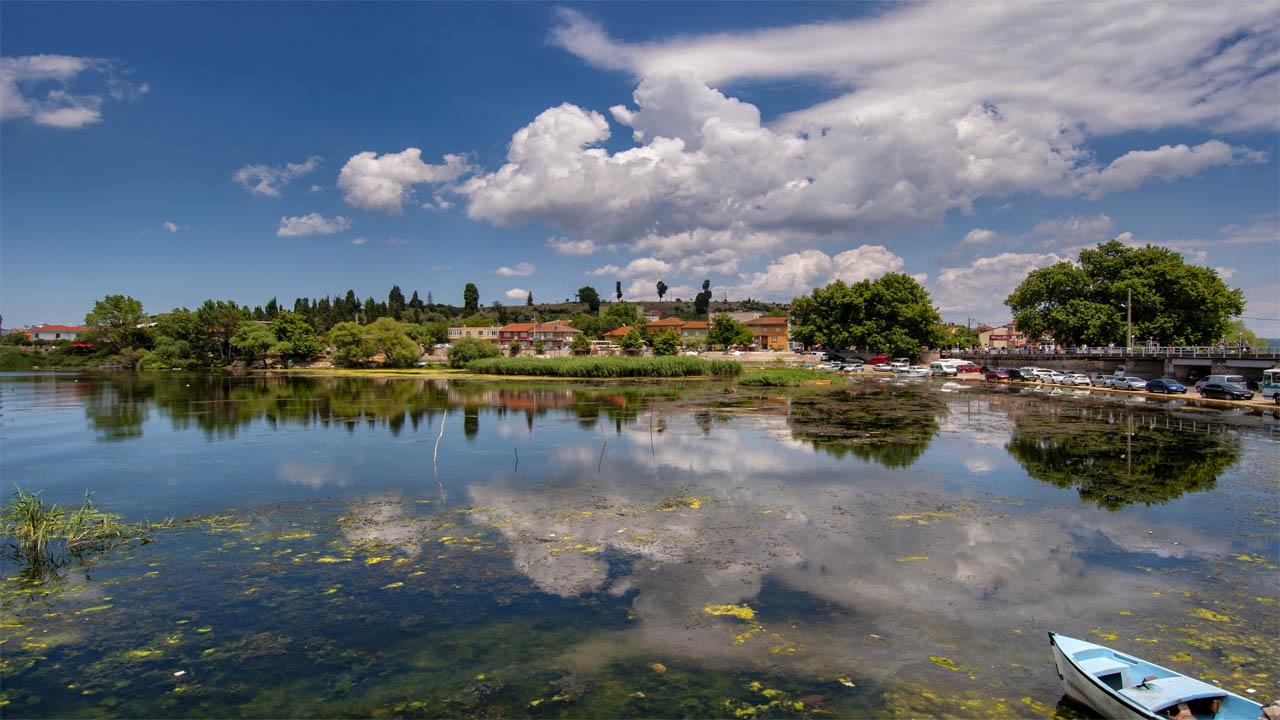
390	547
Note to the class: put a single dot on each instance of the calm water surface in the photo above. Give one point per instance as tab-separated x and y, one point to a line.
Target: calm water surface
692	550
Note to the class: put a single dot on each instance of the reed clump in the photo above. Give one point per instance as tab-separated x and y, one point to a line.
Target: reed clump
607	367
44	533
785	377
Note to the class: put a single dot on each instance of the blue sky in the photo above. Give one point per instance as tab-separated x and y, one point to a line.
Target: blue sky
767	147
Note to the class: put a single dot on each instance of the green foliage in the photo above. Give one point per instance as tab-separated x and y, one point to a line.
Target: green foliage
219	320
538	347
588	295
253	340
477	321
892	314
514	348
662	289
784	377
15	338
633	341
114	320
606	367
168	353
580	345
590	325
1237	332
350	345
388	337
529	300
465	350
14	359
429	333
726	331
619	314
953	335
471	298
1174	303
702	301
665	343
298	340
618	290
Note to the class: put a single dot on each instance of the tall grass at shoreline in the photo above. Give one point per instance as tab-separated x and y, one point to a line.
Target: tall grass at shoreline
44	533
787	377
607	367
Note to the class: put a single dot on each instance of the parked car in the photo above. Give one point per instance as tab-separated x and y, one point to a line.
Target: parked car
1020	375
1233	379
997	375
1076	379
1166	386
1101	380
968	368
1129	383
1226	391
853	367
1049	376
878	360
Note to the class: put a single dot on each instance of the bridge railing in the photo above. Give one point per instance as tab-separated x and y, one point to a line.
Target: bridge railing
1145	351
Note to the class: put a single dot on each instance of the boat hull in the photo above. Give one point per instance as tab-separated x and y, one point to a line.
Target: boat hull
1085	690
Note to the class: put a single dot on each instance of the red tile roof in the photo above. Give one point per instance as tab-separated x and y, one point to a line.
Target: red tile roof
58	328
517	327
767	321
667	322
618	331
696	325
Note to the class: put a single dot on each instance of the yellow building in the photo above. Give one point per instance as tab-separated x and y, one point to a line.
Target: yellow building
769	333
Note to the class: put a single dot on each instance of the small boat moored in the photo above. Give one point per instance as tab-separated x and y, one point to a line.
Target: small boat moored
1119	686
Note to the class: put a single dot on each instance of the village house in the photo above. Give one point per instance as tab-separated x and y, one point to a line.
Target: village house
488	334
1004	336
769	333
55	332
554	335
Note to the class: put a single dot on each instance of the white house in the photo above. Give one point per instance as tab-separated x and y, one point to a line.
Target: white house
56	332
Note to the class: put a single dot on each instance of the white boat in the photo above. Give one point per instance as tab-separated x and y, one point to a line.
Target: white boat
913	371
1116	685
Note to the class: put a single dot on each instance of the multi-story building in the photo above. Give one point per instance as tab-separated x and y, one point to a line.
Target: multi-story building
769	333
1005	336
488	334
554	335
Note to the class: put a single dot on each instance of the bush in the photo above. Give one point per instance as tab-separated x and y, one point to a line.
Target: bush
665	343
465	350
605	367
15	359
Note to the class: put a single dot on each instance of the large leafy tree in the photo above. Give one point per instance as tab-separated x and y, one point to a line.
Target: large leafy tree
253	339
662	289
1174	303
619	314
219	320
115	320
891	314
297	338
726	331
588	295
388	337
471	297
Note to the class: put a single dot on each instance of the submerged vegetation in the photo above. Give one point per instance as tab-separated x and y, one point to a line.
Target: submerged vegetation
607	367
42	534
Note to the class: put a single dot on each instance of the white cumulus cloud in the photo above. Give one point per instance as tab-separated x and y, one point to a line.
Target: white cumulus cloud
979	288
269	179
312	224
521	269
517	294
170	227
382	182
798	273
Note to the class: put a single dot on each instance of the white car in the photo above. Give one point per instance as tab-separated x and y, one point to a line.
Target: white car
691	352
1076	379
1052	377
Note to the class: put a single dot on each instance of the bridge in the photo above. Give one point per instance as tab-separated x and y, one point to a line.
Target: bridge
1179	362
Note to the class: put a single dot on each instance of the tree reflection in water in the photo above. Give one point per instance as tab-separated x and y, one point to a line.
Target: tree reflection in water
1121	461
891	425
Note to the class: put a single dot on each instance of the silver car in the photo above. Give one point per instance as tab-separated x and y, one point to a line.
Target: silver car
1129	383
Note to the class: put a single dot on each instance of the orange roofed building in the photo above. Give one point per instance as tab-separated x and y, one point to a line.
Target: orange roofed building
769	332
555	335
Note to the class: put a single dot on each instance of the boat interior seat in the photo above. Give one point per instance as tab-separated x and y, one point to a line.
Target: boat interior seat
1104	665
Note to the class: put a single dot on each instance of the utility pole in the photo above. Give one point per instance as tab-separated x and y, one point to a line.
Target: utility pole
1129	309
